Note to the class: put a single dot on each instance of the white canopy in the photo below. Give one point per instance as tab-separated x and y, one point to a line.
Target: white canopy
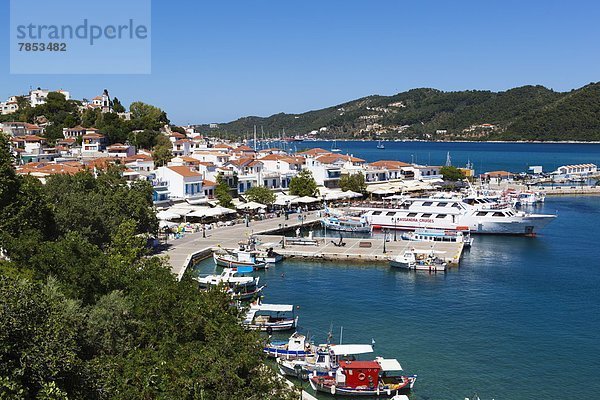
389	364
384	191
201	212
251	205
273	307
284	199
167	215
305	200
348	349
166	224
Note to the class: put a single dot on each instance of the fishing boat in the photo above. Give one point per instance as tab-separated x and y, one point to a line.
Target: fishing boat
365	378
238	259
346	224
419	260
239	287
270	317
296	347
380	145
437	235
478	213
268	255
324	359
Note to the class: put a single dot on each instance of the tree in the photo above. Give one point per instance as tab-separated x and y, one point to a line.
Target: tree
452	174
117	106
222	192
353	182
303	184
145	116
260	194
163	151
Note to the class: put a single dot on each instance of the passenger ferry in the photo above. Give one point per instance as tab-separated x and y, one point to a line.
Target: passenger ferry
346	224
478	214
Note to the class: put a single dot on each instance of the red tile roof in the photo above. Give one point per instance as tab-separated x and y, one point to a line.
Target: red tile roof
184	171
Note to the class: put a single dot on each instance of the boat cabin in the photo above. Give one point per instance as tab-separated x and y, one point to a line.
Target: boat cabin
359	373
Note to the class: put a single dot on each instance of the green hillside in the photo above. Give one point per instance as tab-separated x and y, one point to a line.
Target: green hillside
523	113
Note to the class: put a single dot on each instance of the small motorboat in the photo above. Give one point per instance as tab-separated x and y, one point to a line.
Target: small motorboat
419	260
239	287
365	378
296	347
238	259
270	317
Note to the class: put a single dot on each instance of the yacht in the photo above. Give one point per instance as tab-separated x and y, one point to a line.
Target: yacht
477	214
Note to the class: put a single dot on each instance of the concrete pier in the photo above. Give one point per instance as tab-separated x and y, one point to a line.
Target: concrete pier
360	250
183	252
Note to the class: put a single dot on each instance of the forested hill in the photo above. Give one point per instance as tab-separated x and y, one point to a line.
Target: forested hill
523	113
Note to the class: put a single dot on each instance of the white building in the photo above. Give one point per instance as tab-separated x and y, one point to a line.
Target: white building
92	144
120	150
20	129
578	169
9	106
78	131
182	182
39	96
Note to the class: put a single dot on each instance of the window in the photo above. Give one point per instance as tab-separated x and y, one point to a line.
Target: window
499	214
481	214
376	213
441	216
427	203
390	213
442	204
426	216
412	215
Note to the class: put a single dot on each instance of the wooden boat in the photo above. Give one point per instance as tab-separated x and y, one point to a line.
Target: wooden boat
324	359
365	378
296	347
270	317
238	259
419	260
239	287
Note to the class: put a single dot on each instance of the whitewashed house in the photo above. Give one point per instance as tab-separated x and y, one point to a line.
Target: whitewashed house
182	182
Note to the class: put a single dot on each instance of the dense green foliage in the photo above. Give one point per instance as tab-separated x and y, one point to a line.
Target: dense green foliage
353	182
260	194
87	313
523	113
303	184
223	192
451	173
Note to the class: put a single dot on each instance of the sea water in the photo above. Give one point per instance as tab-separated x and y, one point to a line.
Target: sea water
519	319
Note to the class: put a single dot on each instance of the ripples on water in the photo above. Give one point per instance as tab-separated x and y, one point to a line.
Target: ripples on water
518	320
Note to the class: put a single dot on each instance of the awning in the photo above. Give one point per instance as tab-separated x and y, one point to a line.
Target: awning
389	364
167	215
273	307
251	205
305	200
348	349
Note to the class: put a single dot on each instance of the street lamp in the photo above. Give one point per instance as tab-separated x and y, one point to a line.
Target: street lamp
302	375
395	220
384	240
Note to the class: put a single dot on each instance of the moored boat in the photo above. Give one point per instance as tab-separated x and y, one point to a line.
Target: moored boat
296	347
239	287
419	260
480	214
462	235
324	359
270	317
365	378
238	259
346	224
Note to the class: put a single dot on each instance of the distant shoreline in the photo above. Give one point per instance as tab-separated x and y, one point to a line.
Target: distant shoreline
456	141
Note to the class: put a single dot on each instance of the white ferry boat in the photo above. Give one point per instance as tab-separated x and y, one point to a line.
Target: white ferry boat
478	214
438	235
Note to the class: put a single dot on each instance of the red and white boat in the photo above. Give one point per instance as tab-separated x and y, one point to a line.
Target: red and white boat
365	378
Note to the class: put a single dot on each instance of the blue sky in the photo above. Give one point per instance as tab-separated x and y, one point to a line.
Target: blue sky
217	61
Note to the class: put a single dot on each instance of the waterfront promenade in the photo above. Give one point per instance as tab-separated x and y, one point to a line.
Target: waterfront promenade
181	252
